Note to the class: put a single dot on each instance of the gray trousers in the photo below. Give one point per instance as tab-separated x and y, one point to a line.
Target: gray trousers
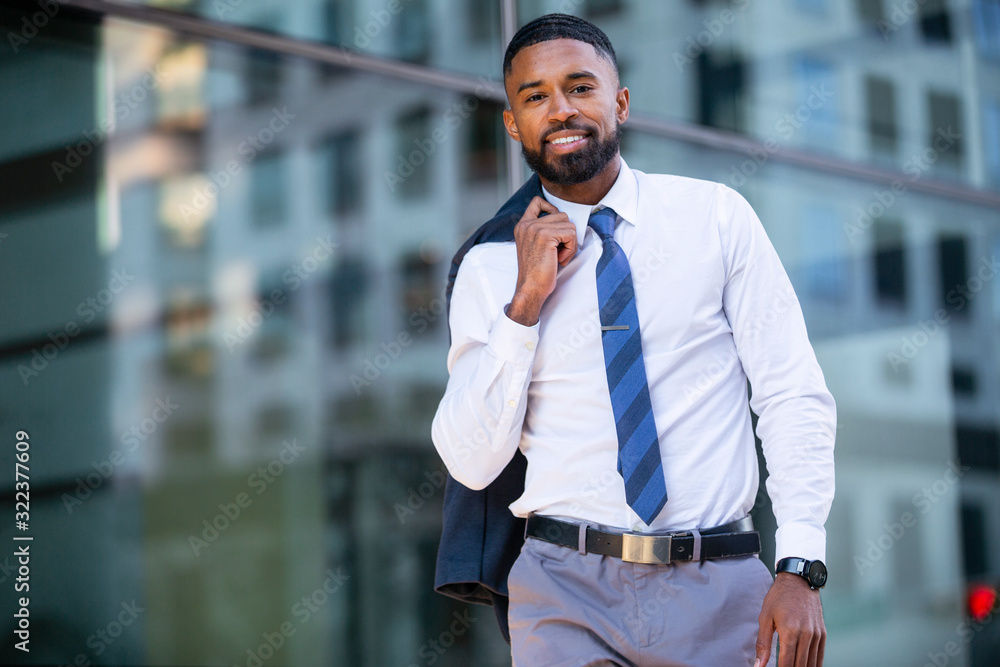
575	609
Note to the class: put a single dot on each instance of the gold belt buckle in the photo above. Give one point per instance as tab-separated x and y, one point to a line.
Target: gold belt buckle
653	549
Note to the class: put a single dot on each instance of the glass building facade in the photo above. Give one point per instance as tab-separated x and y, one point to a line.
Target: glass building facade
225	228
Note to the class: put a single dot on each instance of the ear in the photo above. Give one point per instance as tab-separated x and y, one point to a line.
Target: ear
510	125
621	104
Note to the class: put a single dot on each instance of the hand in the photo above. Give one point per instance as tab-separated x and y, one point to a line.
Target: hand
542	244
794	610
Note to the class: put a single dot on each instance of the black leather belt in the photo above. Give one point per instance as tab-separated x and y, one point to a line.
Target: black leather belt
737	538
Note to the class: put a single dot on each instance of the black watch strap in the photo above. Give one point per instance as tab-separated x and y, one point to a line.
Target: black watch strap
813	571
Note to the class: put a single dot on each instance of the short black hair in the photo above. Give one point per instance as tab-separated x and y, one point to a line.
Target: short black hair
559	26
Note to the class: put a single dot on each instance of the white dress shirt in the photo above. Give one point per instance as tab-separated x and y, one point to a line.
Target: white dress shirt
715	308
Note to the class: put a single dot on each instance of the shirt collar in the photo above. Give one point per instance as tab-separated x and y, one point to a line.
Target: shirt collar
623	197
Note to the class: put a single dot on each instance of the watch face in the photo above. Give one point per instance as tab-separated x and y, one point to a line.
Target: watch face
817	574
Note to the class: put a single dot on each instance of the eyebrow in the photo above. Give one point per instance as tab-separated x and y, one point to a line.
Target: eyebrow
582	74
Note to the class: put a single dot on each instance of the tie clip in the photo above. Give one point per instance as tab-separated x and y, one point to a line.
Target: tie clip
615	327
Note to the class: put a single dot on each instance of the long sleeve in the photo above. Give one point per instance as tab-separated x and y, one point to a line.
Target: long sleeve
477	427
797	413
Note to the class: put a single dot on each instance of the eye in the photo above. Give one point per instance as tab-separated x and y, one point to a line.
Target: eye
581	87
532	98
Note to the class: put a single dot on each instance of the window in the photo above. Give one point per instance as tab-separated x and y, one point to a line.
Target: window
594	9
953	272
344	182
263	76
935	22
974	547
269	190
413	31
817	96
986	25
890	262
963	381
484	19
410	176
870	11
485	142
339	19
946	128
420	290
348	285
822	254
274	423
721	82
978	446
991	134
883	132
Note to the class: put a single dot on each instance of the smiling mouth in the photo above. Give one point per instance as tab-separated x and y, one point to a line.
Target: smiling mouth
567	140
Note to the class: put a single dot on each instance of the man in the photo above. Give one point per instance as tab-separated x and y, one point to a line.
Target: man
608	336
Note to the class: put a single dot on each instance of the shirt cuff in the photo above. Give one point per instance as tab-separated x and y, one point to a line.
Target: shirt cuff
513	342
800	540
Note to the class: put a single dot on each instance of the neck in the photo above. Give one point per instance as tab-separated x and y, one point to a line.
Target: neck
589	192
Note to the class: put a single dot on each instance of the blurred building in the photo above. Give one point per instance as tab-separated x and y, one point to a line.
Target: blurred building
224	239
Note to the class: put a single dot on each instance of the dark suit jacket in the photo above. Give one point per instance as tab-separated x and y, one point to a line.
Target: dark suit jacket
480	538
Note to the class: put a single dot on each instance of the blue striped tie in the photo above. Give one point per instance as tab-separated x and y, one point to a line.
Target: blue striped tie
639	461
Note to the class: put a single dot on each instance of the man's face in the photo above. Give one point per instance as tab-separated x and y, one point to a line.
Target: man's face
565	109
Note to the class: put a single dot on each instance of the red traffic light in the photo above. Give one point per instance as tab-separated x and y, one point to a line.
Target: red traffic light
982	600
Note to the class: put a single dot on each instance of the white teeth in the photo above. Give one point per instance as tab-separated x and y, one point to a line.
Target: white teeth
566	140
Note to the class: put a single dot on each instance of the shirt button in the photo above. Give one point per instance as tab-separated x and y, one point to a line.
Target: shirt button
530	345
636	529
511	404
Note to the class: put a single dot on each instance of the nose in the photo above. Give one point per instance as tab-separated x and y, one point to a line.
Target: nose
561	109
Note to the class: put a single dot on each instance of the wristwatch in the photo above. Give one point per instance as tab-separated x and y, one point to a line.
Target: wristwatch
813	571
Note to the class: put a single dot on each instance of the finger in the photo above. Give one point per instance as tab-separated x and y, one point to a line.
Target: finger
803	651
567	249
812	660
534	207
764	638
546	206
786	650
822	649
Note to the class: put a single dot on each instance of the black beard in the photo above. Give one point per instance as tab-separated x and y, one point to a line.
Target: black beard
576	167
